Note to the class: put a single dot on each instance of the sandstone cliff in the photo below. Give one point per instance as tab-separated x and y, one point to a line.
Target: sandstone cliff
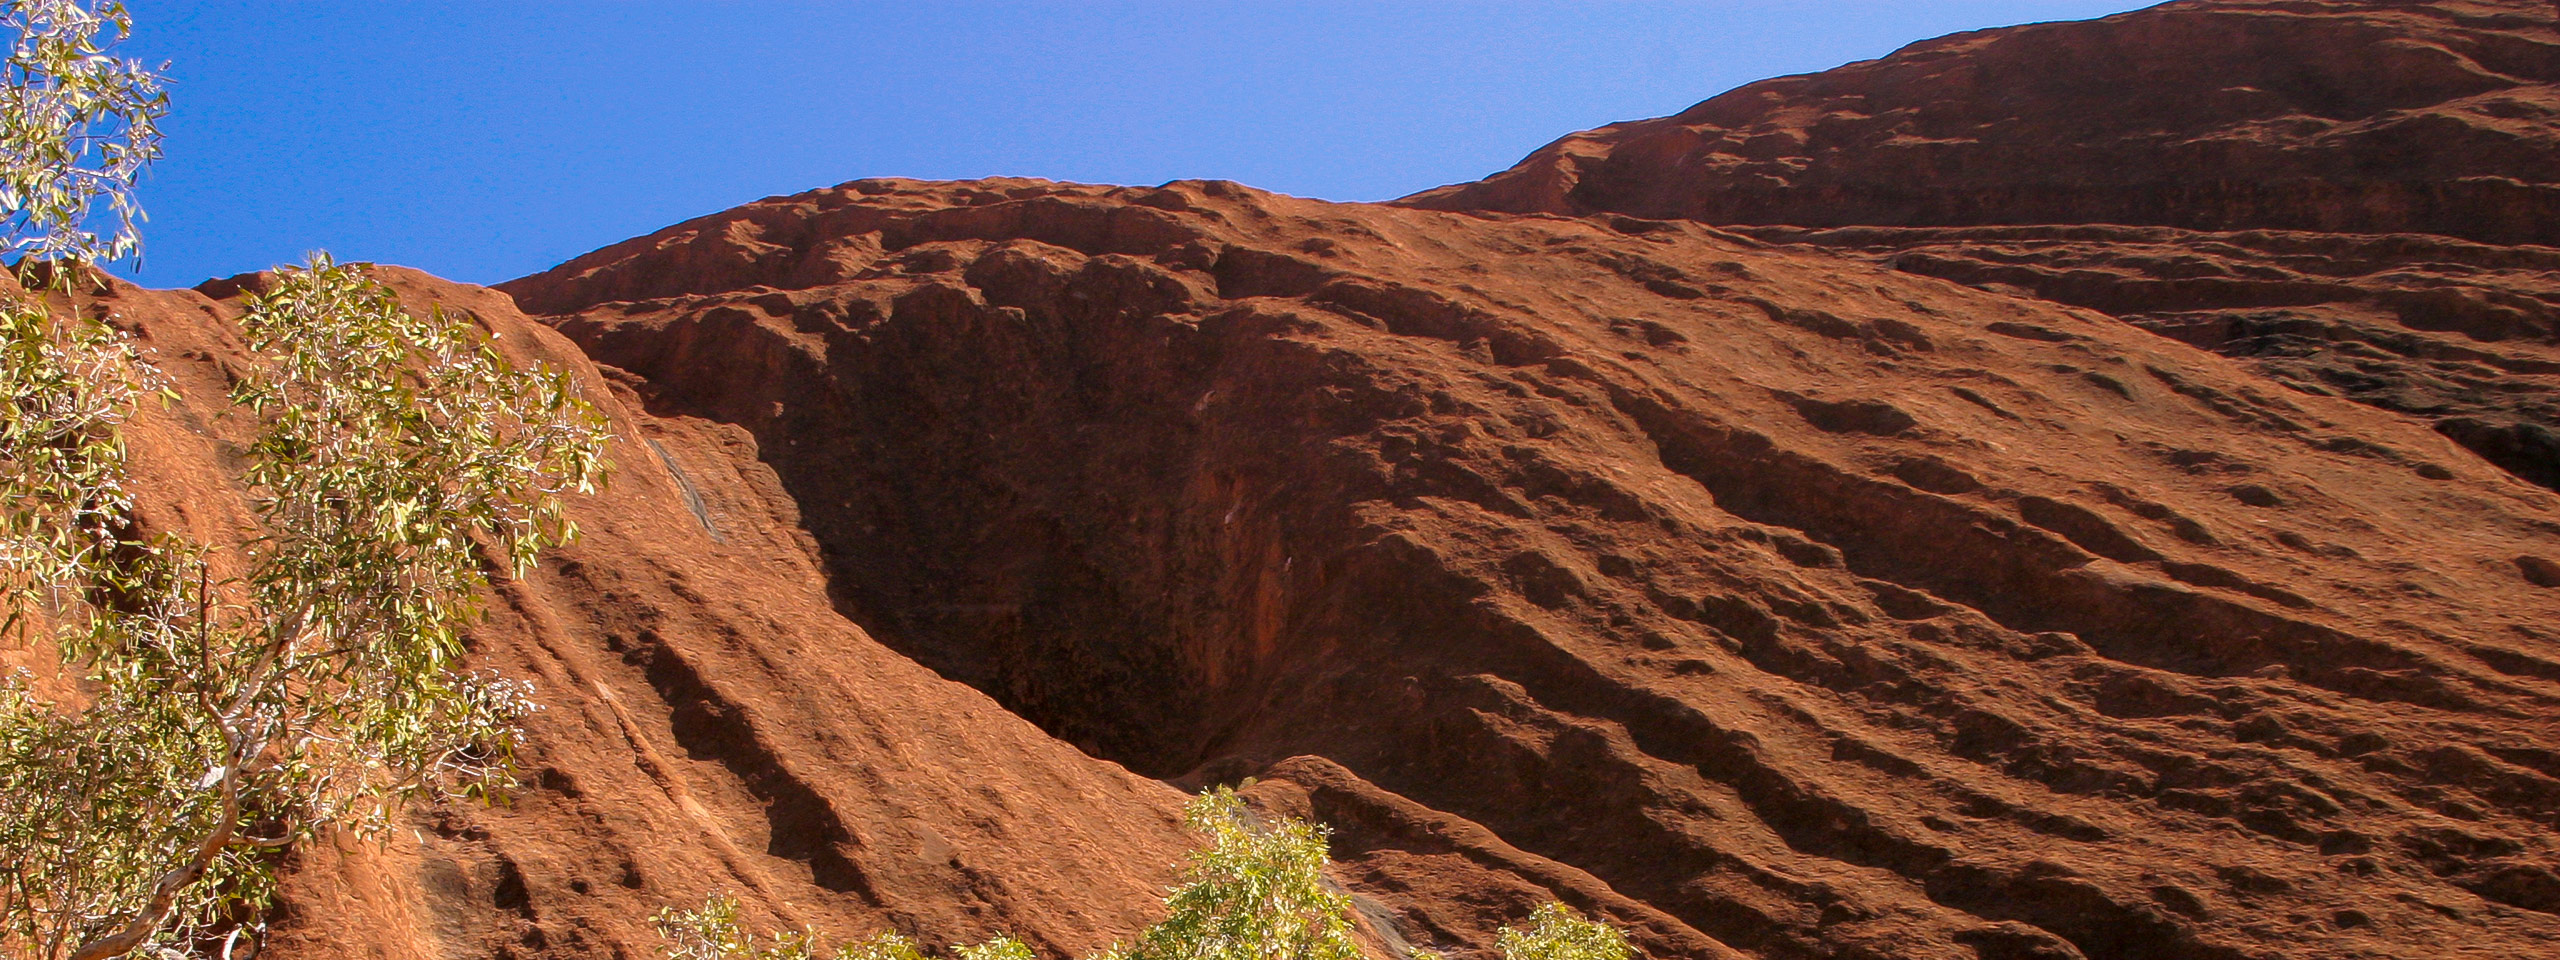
1767	601
2082	505
2368	116
709	721
2295	144
2463	335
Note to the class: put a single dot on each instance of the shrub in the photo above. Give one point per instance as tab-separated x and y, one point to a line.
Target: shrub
1252	892
1556	932
712	933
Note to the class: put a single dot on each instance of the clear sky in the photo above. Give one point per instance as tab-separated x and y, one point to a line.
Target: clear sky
487	140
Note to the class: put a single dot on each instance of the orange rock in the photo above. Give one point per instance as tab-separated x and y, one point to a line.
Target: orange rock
1791	592
709	721
2368	116
1763	600
2014	158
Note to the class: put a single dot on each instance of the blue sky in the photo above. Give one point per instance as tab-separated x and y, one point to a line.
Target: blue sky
487	140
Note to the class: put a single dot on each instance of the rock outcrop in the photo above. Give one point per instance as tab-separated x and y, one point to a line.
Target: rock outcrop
2298	154
2078	507
709	722
2464	335
1768	601
2364	116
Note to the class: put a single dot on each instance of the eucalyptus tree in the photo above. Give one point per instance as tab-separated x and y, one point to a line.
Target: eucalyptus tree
233	701
217	702
77	126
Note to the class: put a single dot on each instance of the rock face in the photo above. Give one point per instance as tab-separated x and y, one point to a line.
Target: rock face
709	721
1768	601
2370	117
2279	137
2464	335
1892	577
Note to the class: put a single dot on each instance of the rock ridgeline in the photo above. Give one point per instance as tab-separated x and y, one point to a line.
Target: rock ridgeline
1885	573
2280	156
1769	602
2363	116
709	721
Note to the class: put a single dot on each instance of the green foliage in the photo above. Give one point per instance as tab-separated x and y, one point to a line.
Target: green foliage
889	946
391	437
1251	893
712	933
1254	893
236	702
77	126
1556	932
216	707
65	389
1000	948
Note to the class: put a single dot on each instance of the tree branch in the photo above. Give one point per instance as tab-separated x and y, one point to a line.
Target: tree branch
164	895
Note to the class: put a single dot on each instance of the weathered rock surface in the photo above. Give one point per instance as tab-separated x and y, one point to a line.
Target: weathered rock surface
2377	116
2314	139
2464	335
710	721
1767	601
1864	583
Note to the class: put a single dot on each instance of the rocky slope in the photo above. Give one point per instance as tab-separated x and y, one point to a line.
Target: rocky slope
1877	580
2295	146
710	722
1768	601
2464	335
2368	116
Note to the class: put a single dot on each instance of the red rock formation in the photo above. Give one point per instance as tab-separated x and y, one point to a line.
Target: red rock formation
1838	593
2356	117
709	721
1766	601
2370	116
2464	335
